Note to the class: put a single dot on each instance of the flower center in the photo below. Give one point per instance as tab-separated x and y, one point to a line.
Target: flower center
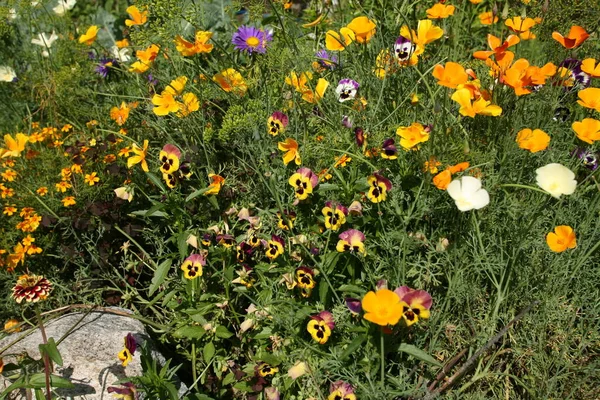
252	41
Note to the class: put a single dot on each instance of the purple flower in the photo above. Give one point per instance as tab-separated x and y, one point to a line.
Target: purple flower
104	66
251	39
346	122
359	136
403	49
353	305
588	158
346	90
327	61
389	150
580	77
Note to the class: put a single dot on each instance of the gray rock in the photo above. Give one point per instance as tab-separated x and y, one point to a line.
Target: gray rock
89	353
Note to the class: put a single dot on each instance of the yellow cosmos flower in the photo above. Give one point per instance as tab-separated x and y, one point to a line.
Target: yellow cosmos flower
591	67
533	140
488	18
587	130
290	146
382	307
139	157
412	135
68	201
137	17
91	179
145	59
188	49
165	103
232	81
90	35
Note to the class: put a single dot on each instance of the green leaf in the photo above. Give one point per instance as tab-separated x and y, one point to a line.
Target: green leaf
327	186
229	378
208	352
195	194
355	344
156	180
264	334
323	290
418	354
19	383
190	332
351	289
182	245
223	332
156	207
159	276
52	351
145	213
39	381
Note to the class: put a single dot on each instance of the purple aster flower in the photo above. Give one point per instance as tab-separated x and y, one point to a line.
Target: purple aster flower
403	49
104	66
588	158
327	61
152	80
251	39
346	90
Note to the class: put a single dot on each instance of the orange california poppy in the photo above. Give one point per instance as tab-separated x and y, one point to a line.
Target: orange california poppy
591	67
451	75
589	98
561	239
587	130
440	11
576	36
519	25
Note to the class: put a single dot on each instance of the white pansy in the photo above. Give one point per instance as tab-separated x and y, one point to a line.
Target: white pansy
556	179
64	6
468	194
7	74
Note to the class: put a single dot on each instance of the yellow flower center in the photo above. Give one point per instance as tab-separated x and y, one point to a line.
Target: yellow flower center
252	41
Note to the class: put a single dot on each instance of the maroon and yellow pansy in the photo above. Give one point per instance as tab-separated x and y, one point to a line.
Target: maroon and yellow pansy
320	326
352	240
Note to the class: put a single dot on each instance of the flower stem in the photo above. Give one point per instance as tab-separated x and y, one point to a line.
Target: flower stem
194	372
382	360
45	355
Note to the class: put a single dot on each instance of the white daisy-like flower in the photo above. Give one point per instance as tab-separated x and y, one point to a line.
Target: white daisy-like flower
556	179
7	74
346	90
45	40
64	6
120	54
468	194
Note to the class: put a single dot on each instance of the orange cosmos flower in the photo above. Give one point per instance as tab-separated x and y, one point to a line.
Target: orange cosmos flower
561	239
533	140
591	67
589	98
217	182
342	161
587	130
231	81
137	17
439	11
68	201
90	35
519	25
451	75
290	146
470	108
577	35
488	18
120	114
363	29
200	45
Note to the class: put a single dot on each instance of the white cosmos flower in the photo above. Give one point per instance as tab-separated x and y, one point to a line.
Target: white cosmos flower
468	194
7	74
120	54
556	179
64	6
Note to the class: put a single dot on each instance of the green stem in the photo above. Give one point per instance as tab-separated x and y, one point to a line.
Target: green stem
45	352
382	360
194	372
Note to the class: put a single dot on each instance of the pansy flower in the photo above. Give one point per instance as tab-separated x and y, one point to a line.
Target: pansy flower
346	90
244	276
351	240
389	150
378	188
126	355
588	158
265	370
251	39
244	252
340	390
303	182
305	280
169	159
192	266
290	146
335	215
127	391
290	216
415	304
277	123
404	49
275	247
105	65
320	326
225	240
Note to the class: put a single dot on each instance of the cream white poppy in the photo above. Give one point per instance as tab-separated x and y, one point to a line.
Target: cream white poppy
7	74
64	6
468	194
556	179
